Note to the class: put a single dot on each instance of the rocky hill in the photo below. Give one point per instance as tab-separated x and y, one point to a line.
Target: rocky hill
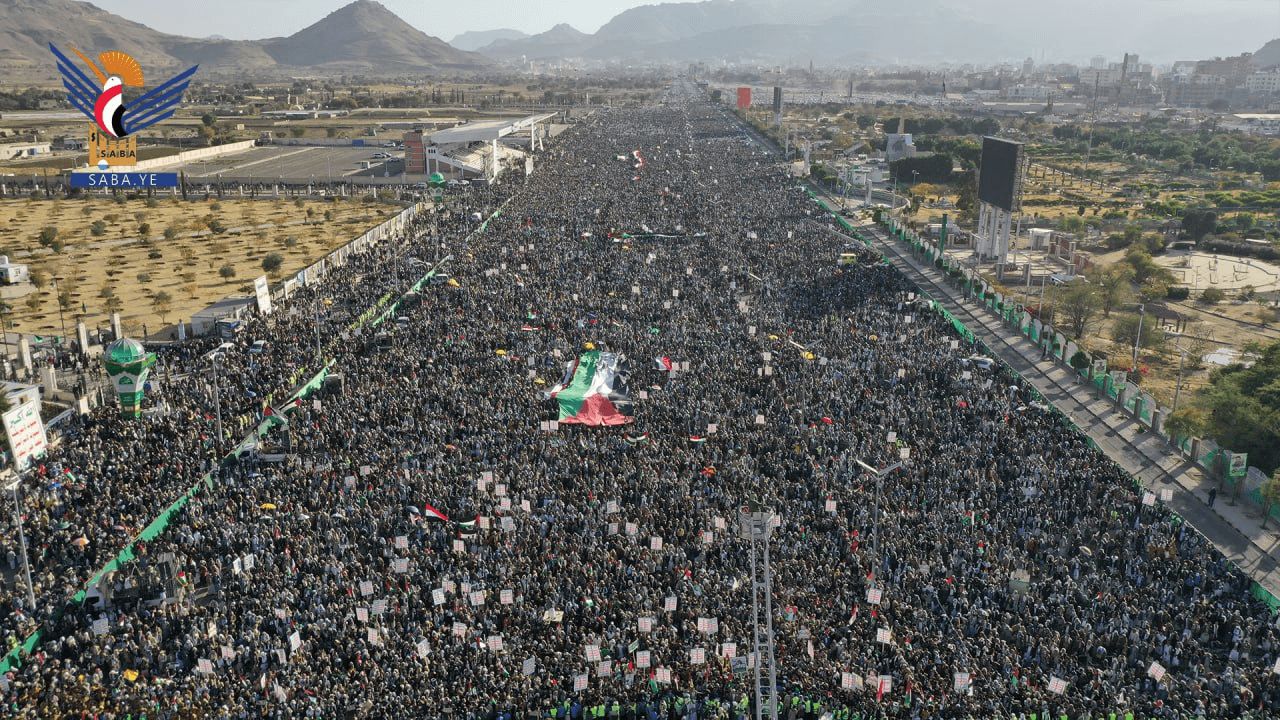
361	38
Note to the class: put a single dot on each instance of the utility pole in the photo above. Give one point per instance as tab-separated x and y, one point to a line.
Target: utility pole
22	542
217	403
756	527
1137	340
875	528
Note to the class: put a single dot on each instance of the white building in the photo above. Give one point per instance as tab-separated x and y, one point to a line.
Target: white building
1263	83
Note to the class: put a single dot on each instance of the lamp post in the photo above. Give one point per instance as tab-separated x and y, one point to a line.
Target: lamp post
875	528
217	403
22	541
1137	340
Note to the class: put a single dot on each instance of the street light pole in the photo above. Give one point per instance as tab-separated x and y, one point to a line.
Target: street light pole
22	541
217	403
1137	340
875	528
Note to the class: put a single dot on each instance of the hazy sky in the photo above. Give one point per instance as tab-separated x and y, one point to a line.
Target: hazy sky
1159	30
257	19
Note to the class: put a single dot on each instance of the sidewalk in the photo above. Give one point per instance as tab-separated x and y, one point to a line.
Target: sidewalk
1236	529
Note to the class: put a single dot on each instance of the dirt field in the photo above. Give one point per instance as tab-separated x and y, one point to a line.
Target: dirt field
119	264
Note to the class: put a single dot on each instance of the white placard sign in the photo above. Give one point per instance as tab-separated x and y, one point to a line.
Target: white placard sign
874	595
642	658
362	614
495	642
507	596
204	665
883	635
698	656
422	648
437	596
850	681
1166	495
530	664
366	588
663	675
295	641
729	650
459	629
400	565
402	542
374	636
644	624
25	429
1156	671
604	669
580	683
101	626
1149	499
477	598
1057	685
655	542
593	653
379	606
669	604
961	681
262	292
831	505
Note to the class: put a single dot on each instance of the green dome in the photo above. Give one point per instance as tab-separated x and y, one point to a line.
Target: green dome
125	351
437	179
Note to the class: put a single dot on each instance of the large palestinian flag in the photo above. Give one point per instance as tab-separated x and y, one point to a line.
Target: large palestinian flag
594	390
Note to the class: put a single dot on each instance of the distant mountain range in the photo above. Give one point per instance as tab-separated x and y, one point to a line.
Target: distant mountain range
846	32
365	38
472	40
361	38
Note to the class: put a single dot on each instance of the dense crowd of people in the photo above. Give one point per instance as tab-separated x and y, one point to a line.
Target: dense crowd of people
1004	569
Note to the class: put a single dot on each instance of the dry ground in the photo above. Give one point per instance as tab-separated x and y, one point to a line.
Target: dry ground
119	263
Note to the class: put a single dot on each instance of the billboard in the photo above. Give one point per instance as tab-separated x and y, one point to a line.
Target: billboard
25	429
1000	174
777	99
262	289
744	97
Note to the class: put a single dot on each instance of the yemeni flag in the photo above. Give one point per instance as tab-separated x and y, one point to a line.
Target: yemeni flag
594	390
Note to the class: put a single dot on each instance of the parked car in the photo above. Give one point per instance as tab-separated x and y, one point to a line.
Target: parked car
259	347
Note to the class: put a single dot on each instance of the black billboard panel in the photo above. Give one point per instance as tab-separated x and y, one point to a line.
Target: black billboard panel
1000	173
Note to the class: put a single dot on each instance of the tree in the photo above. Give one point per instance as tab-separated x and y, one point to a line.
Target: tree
1211	296
48	235
160	303
33	302
1080	361
1198	223
113	304
188	256
209	119
1079	304
227	272
1113	287
39	278
144	230
1125	330
1187	422
272	262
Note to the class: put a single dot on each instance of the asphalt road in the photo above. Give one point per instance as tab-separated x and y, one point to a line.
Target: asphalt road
289	161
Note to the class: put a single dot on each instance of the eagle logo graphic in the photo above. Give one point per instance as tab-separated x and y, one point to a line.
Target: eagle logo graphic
103	101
